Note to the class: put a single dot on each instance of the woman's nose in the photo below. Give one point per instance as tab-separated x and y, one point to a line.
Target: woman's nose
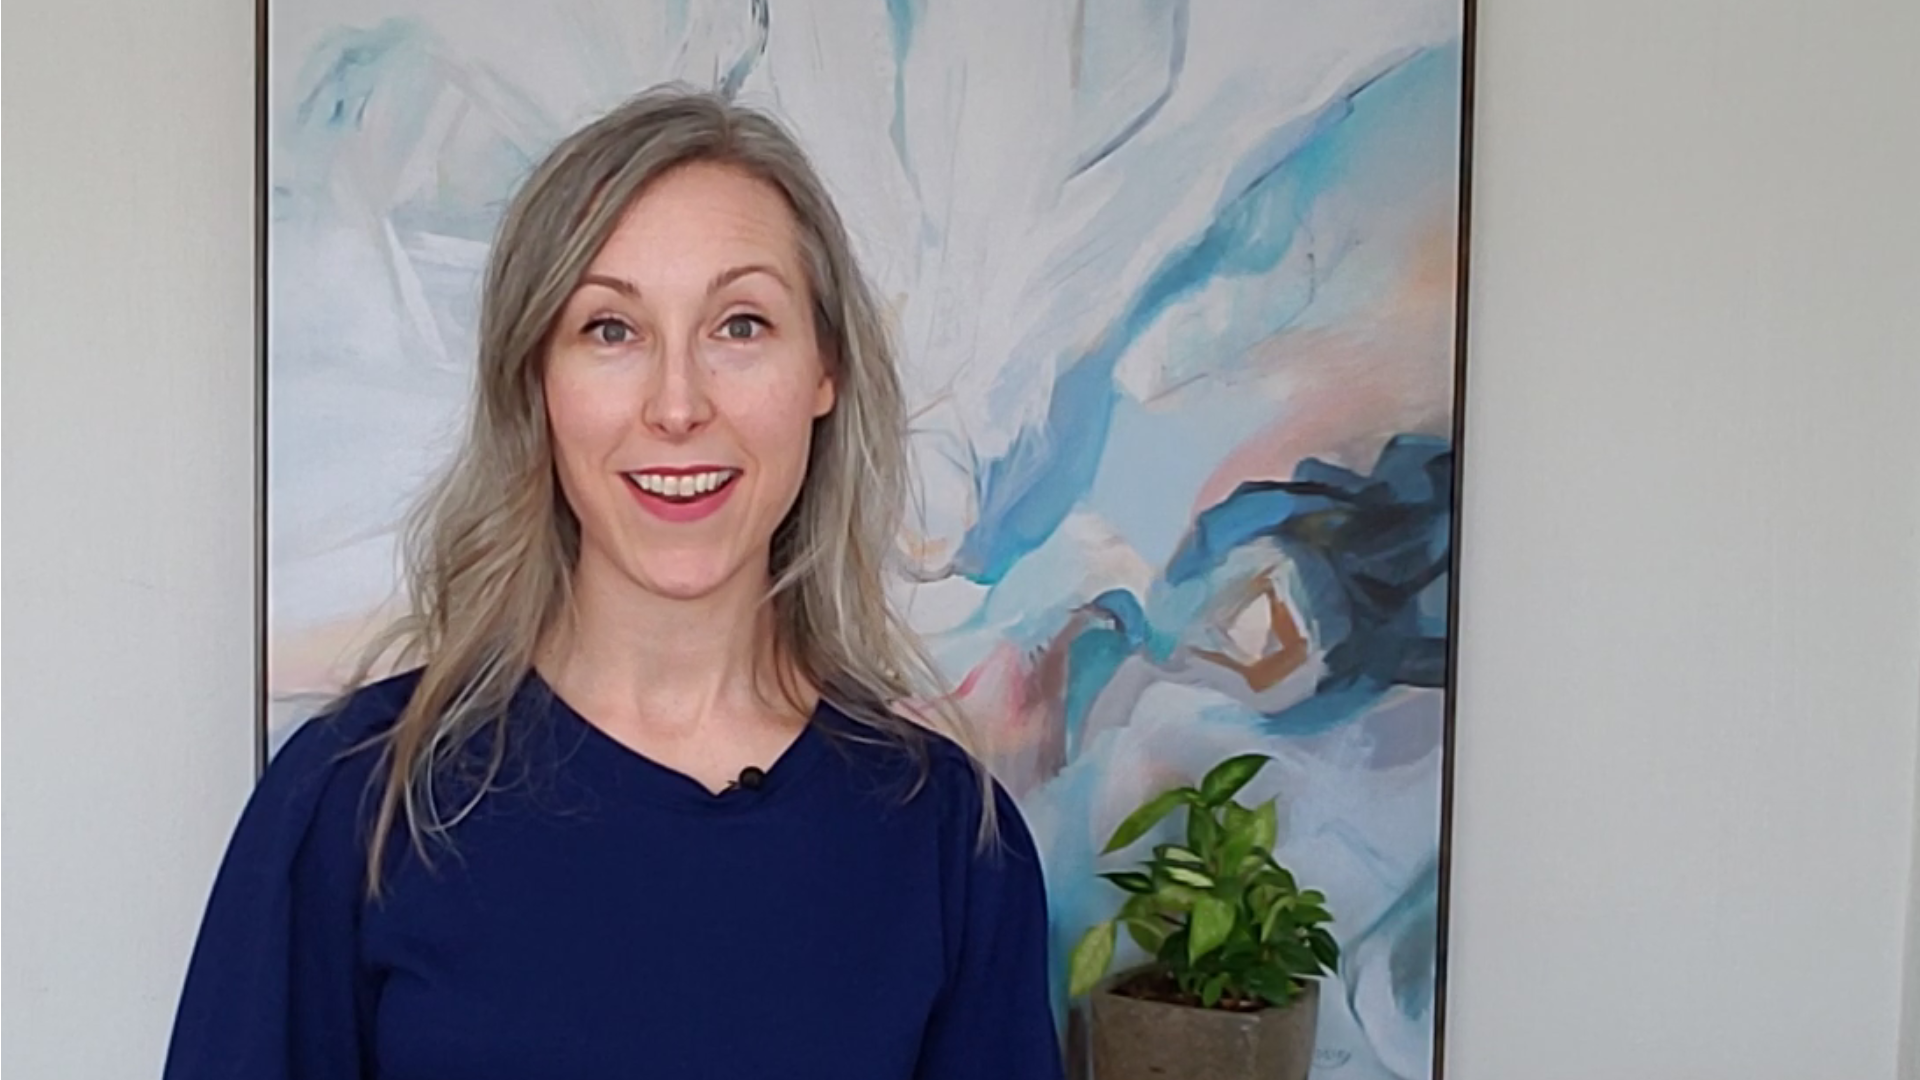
676	402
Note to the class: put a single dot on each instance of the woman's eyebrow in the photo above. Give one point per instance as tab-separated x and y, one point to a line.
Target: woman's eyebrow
620	285
719	281
727	277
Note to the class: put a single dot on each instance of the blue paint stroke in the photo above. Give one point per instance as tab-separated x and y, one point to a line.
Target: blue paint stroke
901	17
1025	494
405	69
1115	628
1401	946
346	70
1371	552
743	65
1176	63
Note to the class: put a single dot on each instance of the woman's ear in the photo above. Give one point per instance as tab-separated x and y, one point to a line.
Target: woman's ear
823	396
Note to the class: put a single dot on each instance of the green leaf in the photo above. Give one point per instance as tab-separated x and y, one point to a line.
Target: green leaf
1275	986
1325	949
1132	881
1276	911
1266	826
1149	934
1173	951
1212	923
1193	878
1239	953
1141	821
1297	958
1203	833
1176	897
1210	993
1238	820
1174	853
1090	959
1239	828
1278	876
1229	777
1191	982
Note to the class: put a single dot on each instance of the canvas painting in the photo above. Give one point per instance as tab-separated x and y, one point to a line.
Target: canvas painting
1176	287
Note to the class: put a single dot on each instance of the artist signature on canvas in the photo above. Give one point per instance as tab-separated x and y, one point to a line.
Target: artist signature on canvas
1327	1058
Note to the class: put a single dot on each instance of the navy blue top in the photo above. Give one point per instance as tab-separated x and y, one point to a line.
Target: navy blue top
605	916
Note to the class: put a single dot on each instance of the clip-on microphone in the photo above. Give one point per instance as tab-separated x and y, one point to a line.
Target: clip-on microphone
750	779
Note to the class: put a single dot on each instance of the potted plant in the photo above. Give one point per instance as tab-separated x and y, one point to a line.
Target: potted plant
1231	991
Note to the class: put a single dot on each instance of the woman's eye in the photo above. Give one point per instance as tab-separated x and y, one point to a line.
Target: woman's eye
609	332
742	327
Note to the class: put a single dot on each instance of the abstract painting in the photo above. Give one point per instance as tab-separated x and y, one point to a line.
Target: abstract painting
1176	285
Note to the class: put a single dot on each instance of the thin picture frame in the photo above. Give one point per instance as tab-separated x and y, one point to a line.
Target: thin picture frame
263	735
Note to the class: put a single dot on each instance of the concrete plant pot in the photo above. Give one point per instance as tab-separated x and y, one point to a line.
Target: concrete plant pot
1138	1039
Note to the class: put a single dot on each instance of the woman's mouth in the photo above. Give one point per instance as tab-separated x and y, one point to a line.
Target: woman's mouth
682	495
683	487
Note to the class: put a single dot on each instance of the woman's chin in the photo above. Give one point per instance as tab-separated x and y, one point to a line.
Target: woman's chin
686	583
681	572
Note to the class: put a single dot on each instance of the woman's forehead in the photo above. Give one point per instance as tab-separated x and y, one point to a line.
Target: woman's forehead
701	220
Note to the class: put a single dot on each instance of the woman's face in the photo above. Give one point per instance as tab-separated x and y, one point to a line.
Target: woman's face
682	382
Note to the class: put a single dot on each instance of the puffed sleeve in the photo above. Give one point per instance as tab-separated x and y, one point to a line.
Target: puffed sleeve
274	990
994	1018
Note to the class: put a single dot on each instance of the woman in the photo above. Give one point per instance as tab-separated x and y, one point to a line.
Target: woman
643	808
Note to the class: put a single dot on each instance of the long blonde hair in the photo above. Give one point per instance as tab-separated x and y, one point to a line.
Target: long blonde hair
490	550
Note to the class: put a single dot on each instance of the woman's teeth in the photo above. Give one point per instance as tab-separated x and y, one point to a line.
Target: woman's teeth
685	486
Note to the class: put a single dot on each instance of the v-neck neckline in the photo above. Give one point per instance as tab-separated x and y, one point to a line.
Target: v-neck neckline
632	771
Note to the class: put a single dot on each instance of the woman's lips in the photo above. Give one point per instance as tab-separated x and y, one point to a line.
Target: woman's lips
682	495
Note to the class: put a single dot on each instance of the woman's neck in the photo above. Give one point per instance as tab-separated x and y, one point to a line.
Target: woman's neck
650	666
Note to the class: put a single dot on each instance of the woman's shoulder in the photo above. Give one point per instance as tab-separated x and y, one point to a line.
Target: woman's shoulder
933	769
886	743
337	747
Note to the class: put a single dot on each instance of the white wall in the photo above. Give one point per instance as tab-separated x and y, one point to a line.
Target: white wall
1691	659
1910	1010
129	475
1691	636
